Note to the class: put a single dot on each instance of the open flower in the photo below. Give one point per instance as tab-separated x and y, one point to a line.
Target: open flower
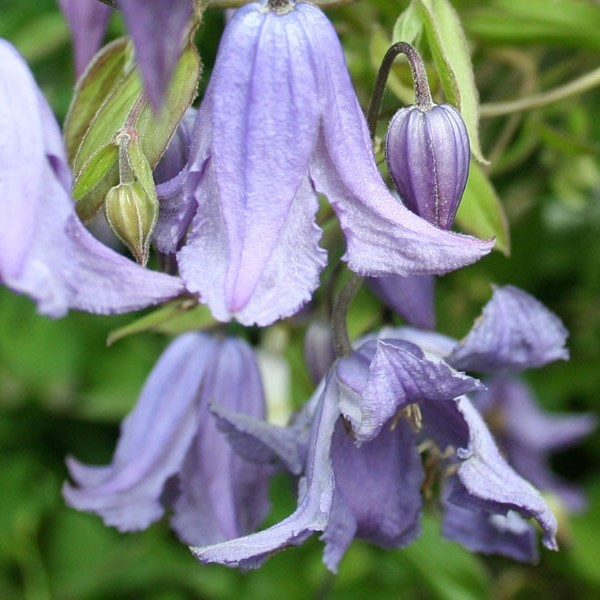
171	455
362	474
280	122
45	251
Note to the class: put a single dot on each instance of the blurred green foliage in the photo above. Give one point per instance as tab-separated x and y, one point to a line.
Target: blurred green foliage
63	391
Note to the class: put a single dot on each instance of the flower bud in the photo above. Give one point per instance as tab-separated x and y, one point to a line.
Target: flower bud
131	214
427	153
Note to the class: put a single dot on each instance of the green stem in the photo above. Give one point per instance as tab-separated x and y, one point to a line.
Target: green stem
341	339
423	99
574	88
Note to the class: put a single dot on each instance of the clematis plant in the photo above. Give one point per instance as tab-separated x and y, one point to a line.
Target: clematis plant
376	408
279	83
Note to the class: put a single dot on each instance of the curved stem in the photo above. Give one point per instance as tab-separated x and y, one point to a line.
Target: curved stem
341	340
423	99
574	88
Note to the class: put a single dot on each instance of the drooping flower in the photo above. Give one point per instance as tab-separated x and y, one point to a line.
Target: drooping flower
171	455
280	122
361	473
528	435
427	153
87	20
45	251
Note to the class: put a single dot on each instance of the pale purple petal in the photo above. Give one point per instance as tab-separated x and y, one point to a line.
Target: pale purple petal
377	491
22	160
488	483
382	235
105	282
430	342
314	500
413	297
222	495
154	440
157	29
400	374
514	332
287	278
255	224
509	535
262	442
87	20
177	207
177	153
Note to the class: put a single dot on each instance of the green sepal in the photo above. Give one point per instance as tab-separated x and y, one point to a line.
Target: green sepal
97	83
174	318
97	166
123	108
480	211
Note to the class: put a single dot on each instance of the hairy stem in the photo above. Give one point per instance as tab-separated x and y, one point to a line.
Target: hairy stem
423	99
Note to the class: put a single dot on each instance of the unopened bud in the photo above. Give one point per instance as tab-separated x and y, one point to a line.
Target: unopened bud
132	214
427	152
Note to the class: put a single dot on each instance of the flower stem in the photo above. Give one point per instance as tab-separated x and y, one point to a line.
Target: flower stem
423	99
339	329
574	88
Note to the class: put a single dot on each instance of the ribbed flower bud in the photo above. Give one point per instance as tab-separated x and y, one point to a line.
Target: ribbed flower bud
132	215
427	153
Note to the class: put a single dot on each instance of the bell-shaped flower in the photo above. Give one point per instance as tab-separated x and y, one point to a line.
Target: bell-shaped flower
528	435
362	474
171	454
45	251
87	20
279	123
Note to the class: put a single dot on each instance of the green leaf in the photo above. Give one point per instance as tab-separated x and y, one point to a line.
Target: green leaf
409	25
481	212
173	318
573	23
450	53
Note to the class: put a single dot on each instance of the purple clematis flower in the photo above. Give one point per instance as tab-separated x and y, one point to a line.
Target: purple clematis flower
87	20
362	474
45	251
527	435
279	123
171	455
